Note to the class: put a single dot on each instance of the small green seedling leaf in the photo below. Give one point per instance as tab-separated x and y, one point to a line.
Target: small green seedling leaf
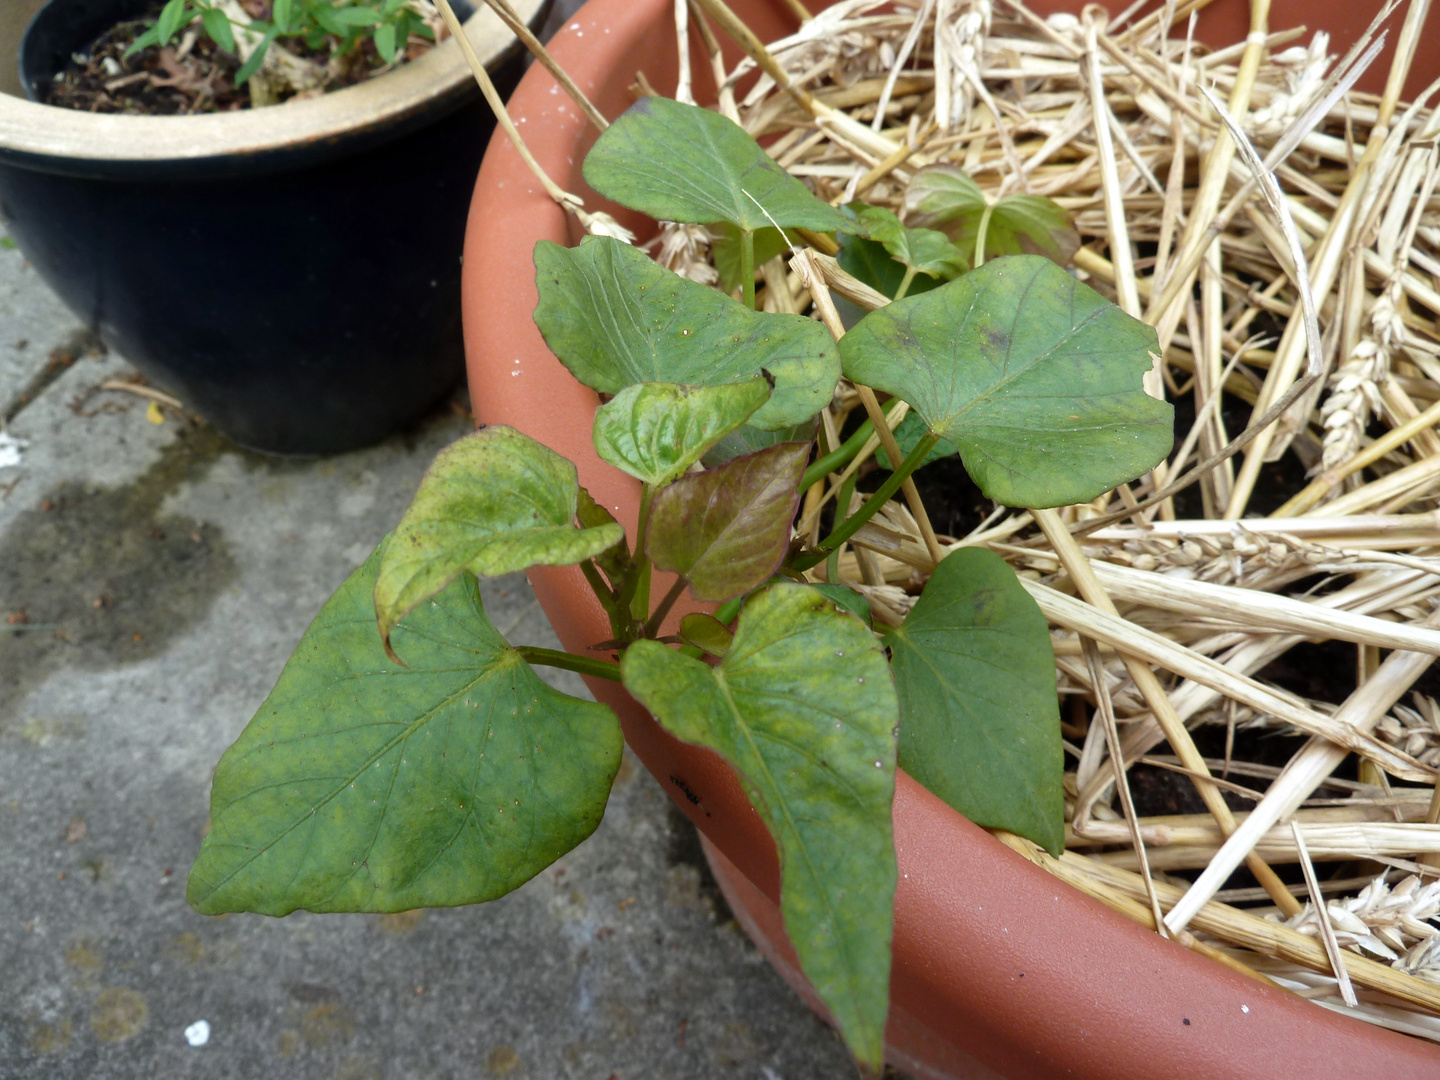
614	317
385	42
655	431
256	58
727	529
217	25
979	716
804	708
683	163
363	786
907	436
171	16
492	503
725	251
943	197
1034	376
706	633
923	250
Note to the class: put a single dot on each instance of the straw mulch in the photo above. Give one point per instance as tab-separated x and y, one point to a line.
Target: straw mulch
1167	613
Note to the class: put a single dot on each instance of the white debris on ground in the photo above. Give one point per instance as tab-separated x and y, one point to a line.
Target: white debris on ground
10	448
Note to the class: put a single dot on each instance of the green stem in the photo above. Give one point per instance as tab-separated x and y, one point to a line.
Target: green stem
838	459
980	234
852	524
605	594
583	665
639	562
842	508
905	283
727	611
652	627
747	266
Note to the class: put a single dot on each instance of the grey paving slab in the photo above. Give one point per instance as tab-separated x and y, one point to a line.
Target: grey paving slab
33	323
166	577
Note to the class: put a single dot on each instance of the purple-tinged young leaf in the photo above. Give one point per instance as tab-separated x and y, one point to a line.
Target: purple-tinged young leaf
727	529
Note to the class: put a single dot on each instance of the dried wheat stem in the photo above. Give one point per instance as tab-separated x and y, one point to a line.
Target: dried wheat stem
1361	712
1105	707
569	202
1078	567
1318	488
517	26
1327	931
1262	611
1136	644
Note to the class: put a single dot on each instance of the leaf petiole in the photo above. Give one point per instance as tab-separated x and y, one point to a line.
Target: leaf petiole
905	283
582	665
980	231
652	626
605	594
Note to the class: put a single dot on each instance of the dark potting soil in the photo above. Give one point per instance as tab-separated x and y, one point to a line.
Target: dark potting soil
190	75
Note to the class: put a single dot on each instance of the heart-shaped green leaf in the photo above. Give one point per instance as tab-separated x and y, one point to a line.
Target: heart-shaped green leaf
655	431
727	529
615	318
804	708
725	251
979	717
363	786
492	503
683	163
1034	376
943	197
938	195
924	250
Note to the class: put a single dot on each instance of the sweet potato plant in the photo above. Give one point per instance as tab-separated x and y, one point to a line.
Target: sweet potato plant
409	756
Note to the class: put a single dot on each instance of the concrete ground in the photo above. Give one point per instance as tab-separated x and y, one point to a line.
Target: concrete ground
153	580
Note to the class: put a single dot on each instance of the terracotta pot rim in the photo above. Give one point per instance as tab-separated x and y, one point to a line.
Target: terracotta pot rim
1050	981
29	130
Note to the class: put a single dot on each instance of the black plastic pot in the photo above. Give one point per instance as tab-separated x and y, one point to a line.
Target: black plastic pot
291	273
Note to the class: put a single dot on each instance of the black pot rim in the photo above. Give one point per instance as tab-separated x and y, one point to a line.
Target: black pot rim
50	139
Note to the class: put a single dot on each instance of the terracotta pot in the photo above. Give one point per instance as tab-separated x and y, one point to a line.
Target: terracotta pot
1000	970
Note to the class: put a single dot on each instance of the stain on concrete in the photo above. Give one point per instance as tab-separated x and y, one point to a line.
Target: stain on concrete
700	889
327	1026
502	1061
401	922
50	1038
119	1014
98	578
